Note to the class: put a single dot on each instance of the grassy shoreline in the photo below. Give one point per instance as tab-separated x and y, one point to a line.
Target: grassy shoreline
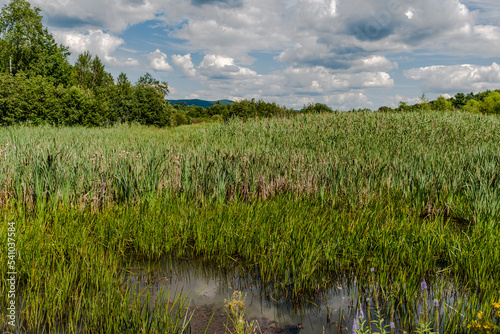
301	199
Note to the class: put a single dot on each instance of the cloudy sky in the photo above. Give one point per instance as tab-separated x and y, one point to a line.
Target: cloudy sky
345	53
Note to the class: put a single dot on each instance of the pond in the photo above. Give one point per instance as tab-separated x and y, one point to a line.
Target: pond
209	288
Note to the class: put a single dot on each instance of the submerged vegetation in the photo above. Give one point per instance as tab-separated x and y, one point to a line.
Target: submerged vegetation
298	201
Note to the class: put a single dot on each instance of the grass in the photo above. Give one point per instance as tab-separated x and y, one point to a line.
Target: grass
299	201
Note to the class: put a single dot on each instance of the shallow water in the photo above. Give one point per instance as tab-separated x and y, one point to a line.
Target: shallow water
329	311
208	286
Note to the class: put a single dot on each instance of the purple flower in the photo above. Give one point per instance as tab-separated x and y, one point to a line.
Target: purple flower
355	325
393	325
436	303
361	314
423	285
372	269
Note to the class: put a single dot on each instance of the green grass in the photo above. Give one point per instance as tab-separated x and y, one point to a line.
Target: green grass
300	201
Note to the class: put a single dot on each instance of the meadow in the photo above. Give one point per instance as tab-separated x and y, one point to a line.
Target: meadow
389	199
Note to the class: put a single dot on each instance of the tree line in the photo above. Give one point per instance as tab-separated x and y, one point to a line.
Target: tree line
244	109
487	102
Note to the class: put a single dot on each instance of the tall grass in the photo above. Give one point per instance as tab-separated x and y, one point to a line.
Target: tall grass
299	201
437	163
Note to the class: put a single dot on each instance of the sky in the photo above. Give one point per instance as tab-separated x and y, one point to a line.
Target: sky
344	53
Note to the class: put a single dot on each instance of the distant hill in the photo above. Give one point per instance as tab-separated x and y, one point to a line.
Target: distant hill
200	103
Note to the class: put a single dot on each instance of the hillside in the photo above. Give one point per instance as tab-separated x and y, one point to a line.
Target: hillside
200	103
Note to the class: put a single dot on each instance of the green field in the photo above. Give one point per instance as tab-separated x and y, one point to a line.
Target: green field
299	201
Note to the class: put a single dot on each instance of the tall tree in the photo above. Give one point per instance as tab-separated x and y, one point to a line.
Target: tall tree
25	45
89	72
123	81
150	104
82	75
148	80
100	77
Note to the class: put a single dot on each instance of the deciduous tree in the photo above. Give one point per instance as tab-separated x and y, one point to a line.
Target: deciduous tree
26	46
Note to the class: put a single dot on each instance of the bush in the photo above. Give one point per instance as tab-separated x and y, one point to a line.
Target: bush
179	118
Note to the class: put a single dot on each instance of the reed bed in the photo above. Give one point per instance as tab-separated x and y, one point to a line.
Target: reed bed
298	200
437	163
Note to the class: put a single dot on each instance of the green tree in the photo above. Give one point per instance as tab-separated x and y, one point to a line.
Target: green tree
459	101
217	109
121	100
423	103
123	81
316	108
385	109
148	80
100	78
150	106
26	46
243	109
442	104
472	106
491	103
404	107
89	72
82	75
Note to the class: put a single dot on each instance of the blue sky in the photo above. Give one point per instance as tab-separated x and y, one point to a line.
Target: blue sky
345	53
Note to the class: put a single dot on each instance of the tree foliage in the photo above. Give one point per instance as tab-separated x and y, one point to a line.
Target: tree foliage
26	46
315	108
38	85
487	102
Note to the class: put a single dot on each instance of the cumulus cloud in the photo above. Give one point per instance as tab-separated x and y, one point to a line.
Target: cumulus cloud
158	61
324	80
235	30
212	67
487	11
185	64
97	43
351	100
455	78
394	100
219	67
294	86
114	16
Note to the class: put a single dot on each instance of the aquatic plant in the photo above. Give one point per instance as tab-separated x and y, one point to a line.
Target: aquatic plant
237	316
487	322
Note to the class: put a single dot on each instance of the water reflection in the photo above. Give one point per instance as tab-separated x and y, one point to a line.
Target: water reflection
209	286
328	310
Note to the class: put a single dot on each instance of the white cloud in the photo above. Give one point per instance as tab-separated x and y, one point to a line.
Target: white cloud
487	11
185	64
456	78
328	80
234	31
115	16
193	96
97	43
290	86
212	67
393	101
346	101
158	61
219	67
